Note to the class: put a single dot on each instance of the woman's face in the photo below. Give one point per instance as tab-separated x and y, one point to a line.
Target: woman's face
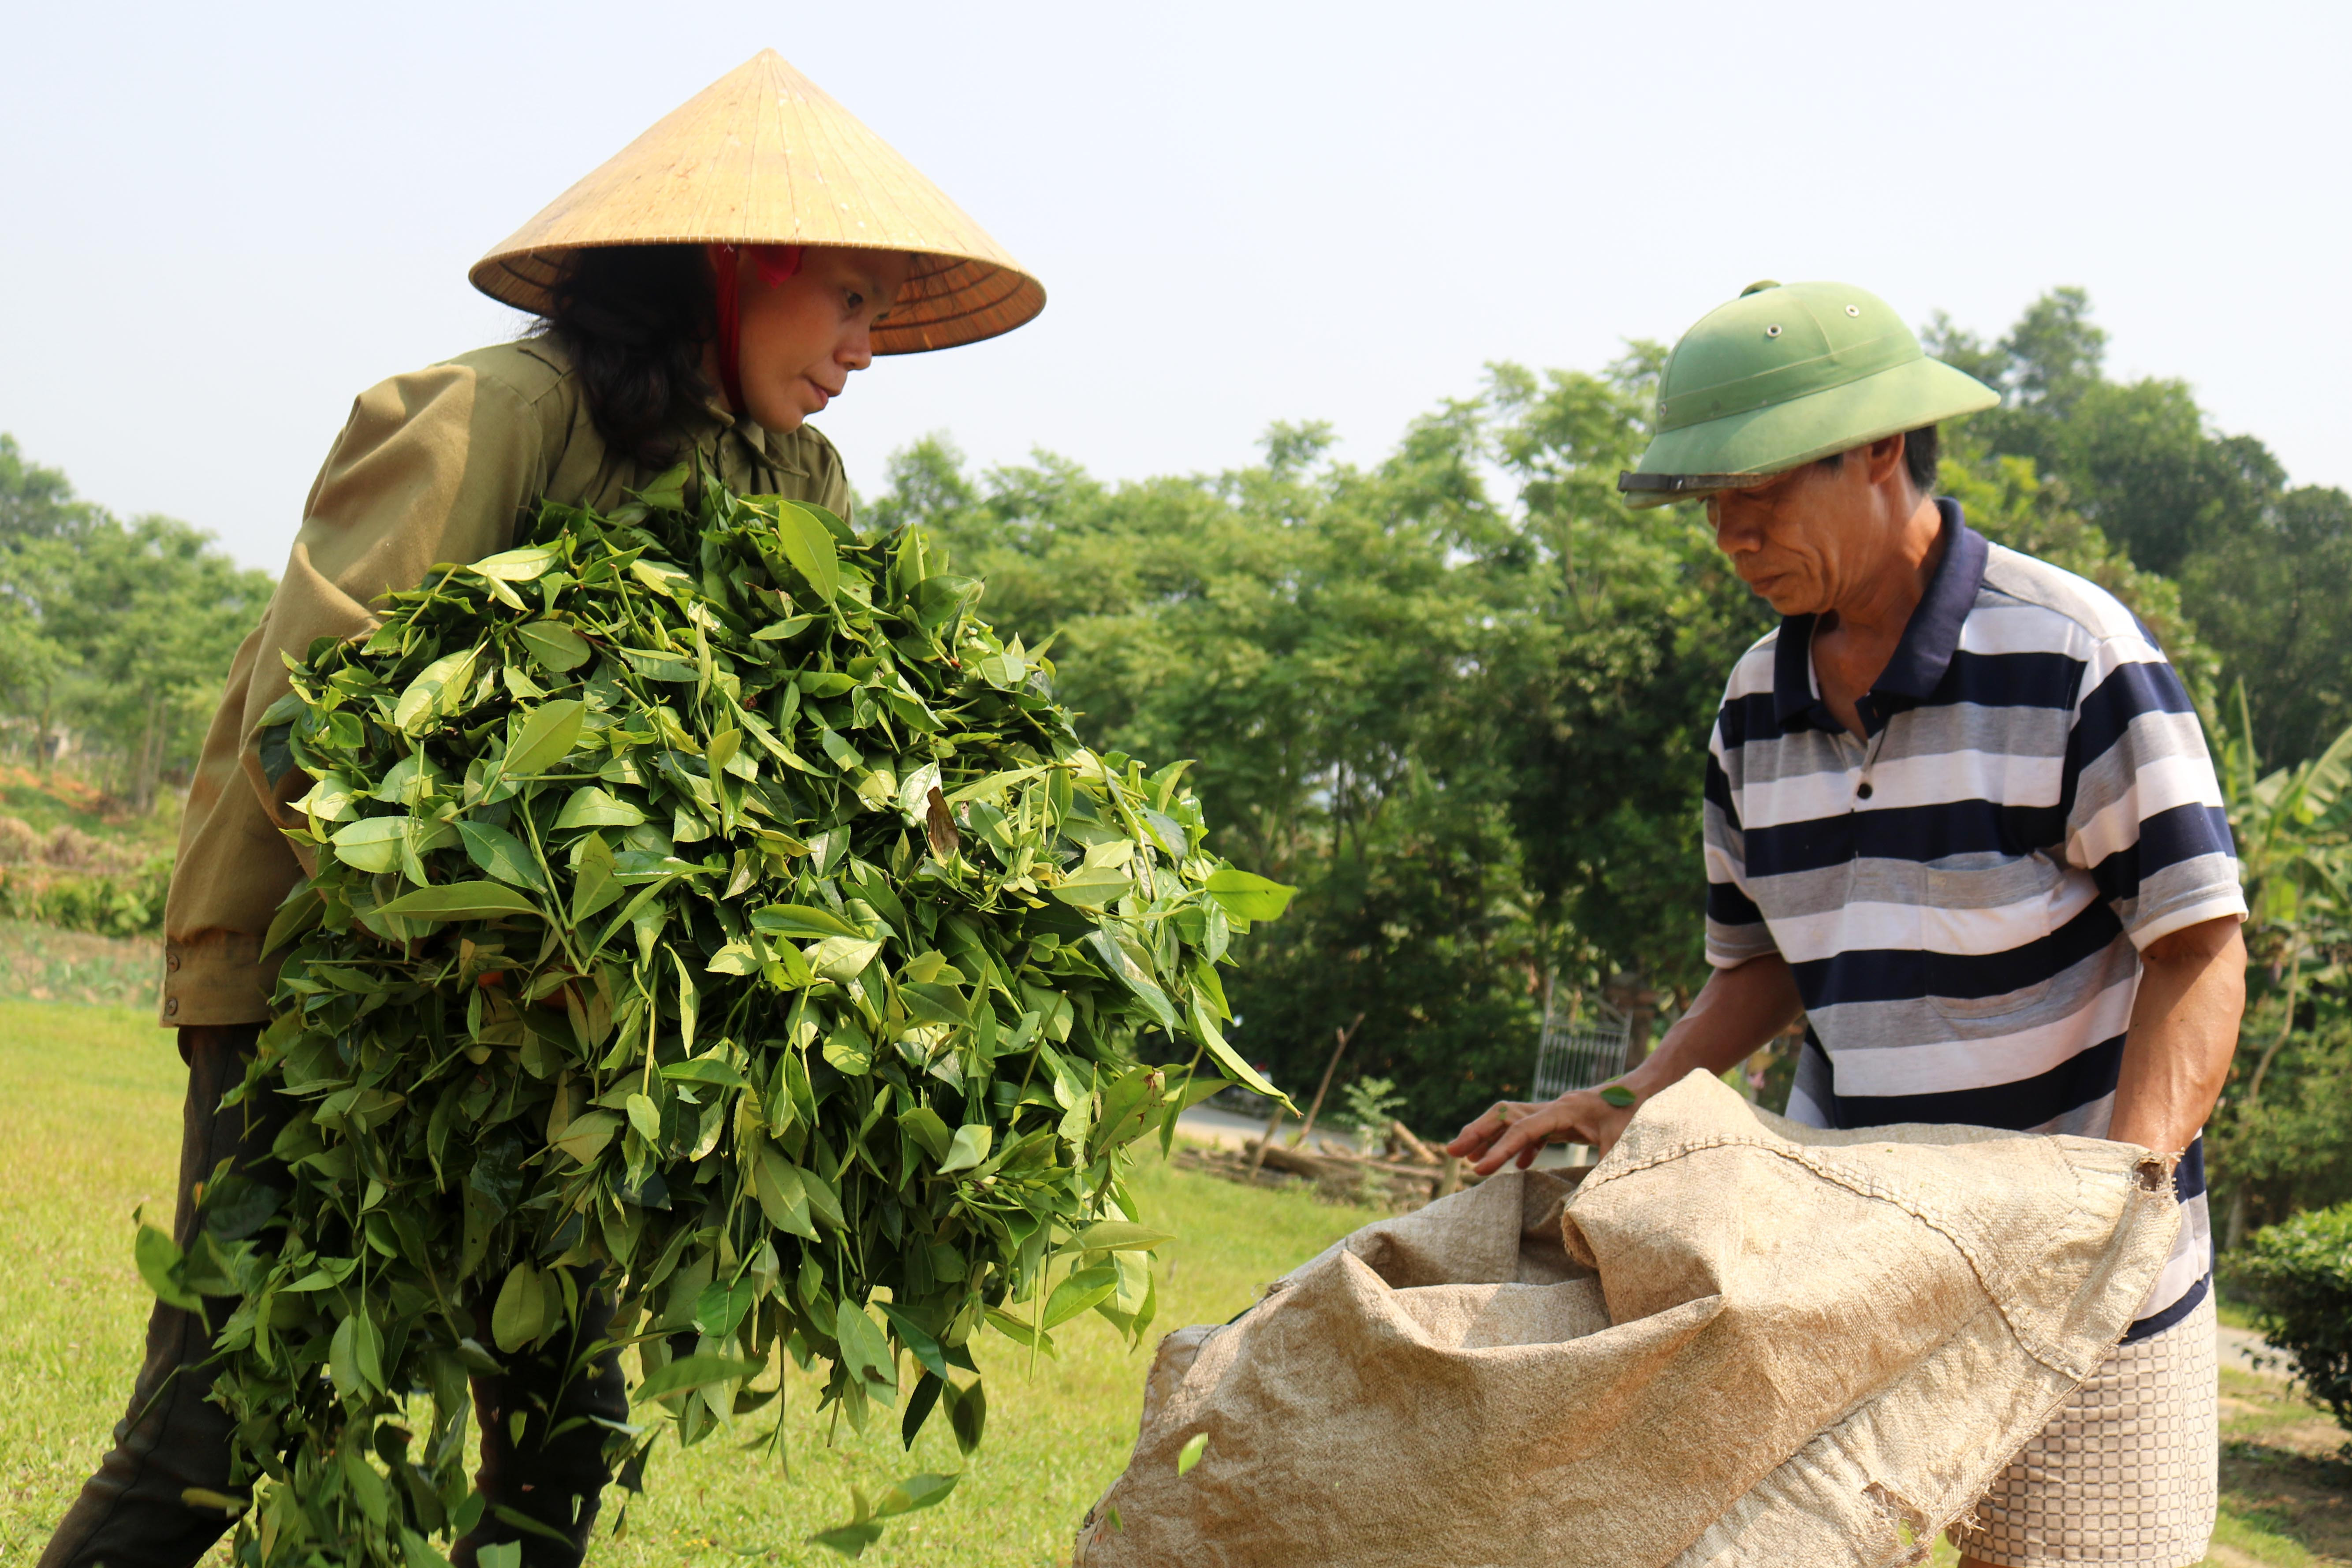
800	339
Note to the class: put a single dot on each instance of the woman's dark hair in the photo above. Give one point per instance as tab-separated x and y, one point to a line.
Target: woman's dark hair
635	319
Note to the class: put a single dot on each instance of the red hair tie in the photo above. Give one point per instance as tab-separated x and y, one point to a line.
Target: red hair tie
776	264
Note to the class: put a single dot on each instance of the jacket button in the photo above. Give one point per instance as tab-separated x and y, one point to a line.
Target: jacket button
1863	792
172	960
171	1006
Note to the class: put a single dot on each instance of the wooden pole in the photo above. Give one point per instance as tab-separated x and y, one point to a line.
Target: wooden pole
1316	1106
1257	1156
1449	1179
1413	1145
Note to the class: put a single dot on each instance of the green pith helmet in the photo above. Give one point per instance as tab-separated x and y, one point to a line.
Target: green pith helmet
1786	374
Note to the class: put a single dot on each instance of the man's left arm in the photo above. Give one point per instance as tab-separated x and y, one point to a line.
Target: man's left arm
2145	818
2184	1029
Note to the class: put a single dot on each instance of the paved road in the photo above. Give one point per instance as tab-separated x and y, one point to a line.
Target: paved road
1227	1131
2240	1346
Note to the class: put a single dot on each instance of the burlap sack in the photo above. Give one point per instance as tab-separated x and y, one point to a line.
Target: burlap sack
1742	1341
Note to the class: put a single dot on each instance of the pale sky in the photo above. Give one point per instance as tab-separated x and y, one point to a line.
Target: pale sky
223	221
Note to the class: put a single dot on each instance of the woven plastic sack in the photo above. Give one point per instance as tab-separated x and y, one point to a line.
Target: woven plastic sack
1739	1341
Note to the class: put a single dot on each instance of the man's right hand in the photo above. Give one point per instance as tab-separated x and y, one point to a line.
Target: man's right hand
1517	1129
1736	1011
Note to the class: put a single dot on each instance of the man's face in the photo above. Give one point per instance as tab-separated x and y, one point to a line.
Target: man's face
1805	539
801	339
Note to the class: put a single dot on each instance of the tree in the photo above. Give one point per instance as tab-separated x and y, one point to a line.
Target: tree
2264	571
2282	1133
2278	599
41	526
1471	725
1613	711
151	612
1334	646
36	503
119	632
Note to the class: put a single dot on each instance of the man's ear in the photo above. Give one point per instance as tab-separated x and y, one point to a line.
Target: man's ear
1885	458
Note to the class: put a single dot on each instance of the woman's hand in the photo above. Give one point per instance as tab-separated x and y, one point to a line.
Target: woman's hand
1518	1128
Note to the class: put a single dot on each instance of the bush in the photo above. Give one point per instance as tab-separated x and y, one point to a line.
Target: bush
1370	1104
126	904
2300	1274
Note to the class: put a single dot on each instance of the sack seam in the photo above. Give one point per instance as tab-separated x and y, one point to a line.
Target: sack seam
1798	1154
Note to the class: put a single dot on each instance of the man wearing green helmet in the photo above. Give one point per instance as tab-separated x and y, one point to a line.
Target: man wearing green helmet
1960	817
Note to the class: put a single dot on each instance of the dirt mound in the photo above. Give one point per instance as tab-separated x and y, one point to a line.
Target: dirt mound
69	846
20	845
66	848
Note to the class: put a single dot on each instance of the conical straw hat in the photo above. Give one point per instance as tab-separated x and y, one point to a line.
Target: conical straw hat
762	156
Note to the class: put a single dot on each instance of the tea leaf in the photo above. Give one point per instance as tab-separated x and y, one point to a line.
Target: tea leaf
460	902
160	1265
694	1372
434	692
554	647
1248	895
545	737
1115	1235
590	807
524	565
519	1317
970	1148
808	545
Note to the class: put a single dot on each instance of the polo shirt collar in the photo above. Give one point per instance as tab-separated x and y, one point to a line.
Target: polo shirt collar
1929	639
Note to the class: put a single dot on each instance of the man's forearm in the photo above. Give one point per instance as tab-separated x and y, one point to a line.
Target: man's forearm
2184	1029
1733	1015
1737	1011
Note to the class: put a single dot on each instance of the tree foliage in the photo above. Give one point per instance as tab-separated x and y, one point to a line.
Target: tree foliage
2282	1136
2300	1272
1470	723
1463	694
1456	689
2264	568
114	635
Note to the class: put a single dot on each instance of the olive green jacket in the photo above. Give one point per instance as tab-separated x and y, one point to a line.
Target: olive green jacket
438	466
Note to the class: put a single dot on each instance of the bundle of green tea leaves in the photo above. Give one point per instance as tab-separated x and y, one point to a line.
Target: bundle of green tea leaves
708	912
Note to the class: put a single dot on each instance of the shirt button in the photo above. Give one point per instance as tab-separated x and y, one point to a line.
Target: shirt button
171	1006
1864	791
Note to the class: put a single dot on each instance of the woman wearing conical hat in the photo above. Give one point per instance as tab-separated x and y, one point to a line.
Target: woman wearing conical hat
702	294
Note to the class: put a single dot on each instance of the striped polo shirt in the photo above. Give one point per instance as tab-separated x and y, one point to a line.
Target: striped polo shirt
1963	892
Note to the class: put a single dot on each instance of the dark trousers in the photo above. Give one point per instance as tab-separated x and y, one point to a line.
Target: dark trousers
131	1513
555	1480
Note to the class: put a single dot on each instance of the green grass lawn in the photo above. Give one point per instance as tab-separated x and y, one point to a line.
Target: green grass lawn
93	1133
45	964
93	1129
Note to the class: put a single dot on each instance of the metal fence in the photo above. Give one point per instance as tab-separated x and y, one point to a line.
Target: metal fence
1580	1045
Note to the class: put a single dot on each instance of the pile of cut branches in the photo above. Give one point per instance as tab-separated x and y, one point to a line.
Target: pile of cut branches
708	912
